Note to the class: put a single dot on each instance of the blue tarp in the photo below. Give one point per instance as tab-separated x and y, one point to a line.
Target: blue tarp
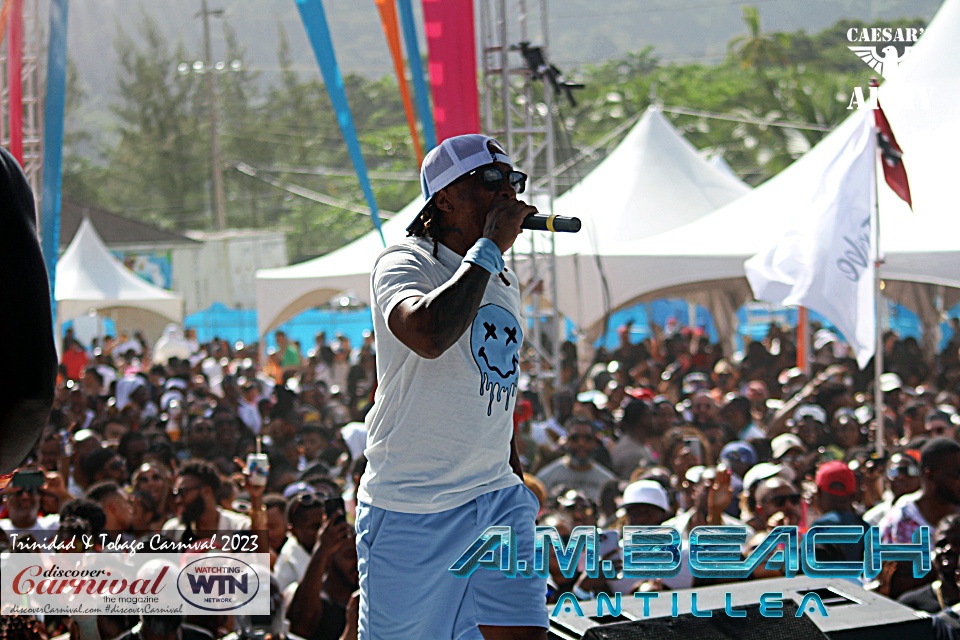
236	325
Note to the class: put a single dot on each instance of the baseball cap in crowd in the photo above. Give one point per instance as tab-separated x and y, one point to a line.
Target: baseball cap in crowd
890	382
822	338
765	470
845	412
294	488
645	492
694	382
455	157
790	376
723	367
813	411
740	450
700	473
783	443
836	478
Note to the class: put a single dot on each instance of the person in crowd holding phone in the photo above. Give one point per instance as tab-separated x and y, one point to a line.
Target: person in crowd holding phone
22	501
318	609
442	463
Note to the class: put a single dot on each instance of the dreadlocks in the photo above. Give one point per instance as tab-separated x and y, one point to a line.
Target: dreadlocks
427	225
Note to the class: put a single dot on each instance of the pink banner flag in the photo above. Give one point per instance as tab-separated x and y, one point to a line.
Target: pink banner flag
452	65
15	79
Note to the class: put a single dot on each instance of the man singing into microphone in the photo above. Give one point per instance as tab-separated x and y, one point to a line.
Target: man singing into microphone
442	464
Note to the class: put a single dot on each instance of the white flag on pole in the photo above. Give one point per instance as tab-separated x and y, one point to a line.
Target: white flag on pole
825	260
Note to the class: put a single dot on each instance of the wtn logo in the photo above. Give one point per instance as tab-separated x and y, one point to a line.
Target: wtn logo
206	584
221	583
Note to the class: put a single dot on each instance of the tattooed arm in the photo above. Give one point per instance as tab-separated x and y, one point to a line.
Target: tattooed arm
431	324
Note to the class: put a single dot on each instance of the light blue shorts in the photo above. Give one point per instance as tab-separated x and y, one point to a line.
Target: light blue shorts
406	589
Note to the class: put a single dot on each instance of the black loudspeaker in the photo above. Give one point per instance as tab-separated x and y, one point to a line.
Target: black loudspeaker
852	614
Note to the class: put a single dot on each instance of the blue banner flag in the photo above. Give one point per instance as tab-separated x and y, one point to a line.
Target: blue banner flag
53	143
315	22
416	71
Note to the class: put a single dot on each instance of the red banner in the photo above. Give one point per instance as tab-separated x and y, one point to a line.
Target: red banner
452	65
15	78
892	156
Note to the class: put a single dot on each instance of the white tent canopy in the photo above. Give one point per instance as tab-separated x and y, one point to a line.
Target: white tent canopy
284	292
90	278
653	181
704	260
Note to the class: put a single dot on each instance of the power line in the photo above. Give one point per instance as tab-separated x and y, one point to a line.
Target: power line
309	194
767	123
399	176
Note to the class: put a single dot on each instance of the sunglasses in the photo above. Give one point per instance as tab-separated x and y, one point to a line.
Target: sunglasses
906	471
492	178
306	500
780	501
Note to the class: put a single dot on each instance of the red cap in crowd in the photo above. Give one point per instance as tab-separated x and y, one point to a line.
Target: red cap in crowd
836	478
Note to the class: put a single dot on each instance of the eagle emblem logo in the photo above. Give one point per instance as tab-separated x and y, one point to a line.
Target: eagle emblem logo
885	62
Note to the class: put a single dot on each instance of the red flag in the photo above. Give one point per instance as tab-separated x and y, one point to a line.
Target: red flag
892	157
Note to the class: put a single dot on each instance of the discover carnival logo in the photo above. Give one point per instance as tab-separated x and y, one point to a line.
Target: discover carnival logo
888	48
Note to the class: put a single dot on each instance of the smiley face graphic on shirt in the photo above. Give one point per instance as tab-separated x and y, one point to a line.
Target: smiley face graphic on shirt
495	340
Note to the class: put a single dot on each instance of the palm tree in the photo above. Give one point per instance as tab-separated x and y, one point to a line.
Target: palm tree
756	50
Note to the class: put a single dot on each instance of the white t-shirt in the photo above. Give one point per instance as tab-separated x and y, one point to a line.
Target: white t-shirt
291	563
42	530
439	432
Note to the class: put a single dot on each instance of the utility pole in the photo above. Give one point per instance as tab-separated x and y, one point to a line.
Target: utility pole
218	202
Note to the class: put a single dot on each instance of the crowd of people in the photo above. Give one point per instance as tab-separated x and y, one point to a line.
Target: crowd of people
665	431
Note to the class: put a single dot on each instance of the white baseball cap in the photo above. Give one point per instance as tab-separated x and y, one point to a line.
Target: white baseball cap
645	492
814	411
785	442
889	382
764	470
453	158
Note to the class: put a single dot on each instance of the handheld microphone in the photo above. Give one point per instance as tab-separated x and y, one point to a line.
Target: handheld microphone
544	222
